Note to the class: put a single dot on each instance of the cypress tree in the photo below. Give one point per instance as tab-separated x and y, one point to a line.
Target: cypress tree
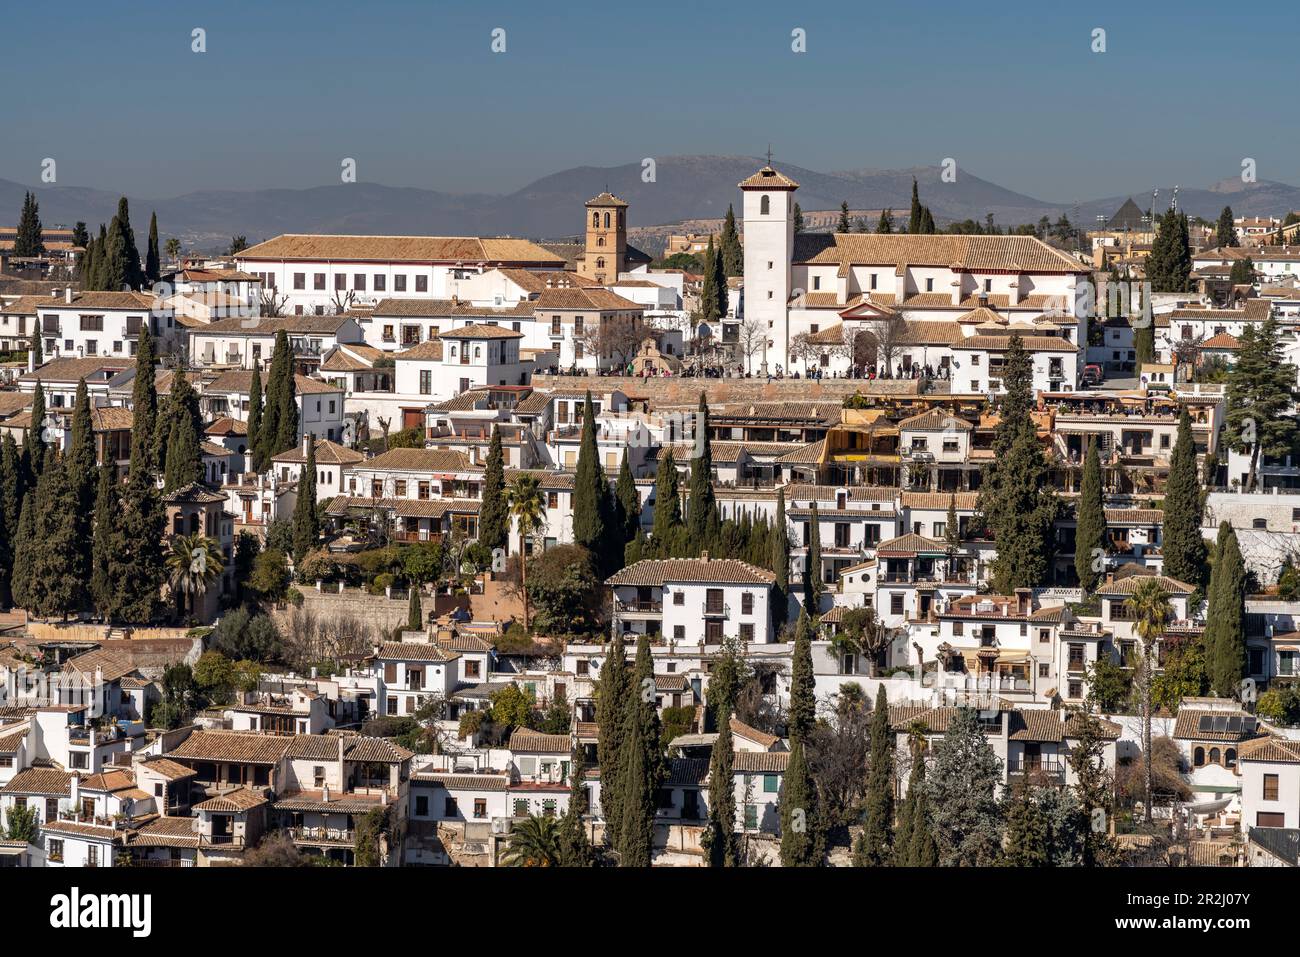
1225	234
590	491
105	546
152	262
255	421
800	844
803	702
1261	394
278	430
1184	546
414	611
798	220
494	521
927	222
813	586
141	522
81	467
885	225
641	763
668	504
1090	532
57	585
144	403
779	562
35	348
25	543
1144	344
121	260
36	434
844	225
733	259
1016	497
629	501
711	302
924	849
720	831
967	776
182	422
1027	829
877	837
1225	620
29	241
701	515
99	277
575	848
914	220
306	524
612	696
10	505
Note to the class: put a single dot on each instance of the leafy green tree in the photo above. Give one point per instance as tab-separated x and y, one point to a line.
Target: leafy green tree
1184	674
1095	796
306	523
58	585
566	592
963	790
1184	546
1225	620
370	834
885	225
511	708
1242	272
1169	265
1090	535
22	824
494	520
922	847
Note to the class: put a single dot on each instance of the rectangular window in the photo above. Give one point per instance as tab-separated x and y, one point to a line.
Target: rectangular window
771	784
747	603
747	631
381	282
399	283
318	280
896	603
359	281
54	850
300	280
426	382
340	281
421	805
1270	787
421	283
480	807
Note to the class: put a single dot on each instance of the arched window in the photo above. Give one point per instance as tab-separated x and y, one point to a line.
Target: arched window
607	220
453	352
178	524
600	263
194	523
1230	758
1214	755
595	220
764	206
1198	757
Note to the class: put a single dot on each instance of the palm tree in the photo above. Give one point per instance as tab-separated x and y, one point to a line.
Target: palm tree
194	562
528	508
534	842
1149	605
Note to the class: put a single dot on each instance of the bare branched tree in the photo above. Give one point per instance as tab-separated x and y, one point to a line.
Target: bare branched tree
617	339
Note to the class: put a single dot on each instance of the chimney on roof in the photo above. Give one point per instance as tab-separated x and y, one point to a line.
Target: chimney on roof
67	295
306	443
340	739
54	294
1024	599
704	556
325	791
74	789
983	299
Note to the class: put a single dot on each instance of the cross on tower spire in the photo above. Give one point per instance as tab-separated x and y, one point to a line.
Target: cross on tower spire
769	154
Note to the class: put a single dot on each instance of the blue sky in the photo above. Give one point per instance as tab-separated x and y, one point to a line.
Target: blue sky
413	92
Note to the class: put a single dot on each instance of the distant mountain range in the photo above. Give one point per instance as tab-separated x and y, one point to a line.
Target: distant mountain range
685	187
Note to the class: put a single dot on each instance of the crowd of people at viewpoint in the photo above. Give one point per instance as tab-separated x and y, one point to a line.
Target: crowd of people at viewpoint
738	371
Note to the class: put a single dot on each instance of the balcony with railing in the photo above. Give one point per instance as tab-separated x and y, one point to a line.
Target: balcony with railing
221	840
638	607
1050	769
323	836
716	609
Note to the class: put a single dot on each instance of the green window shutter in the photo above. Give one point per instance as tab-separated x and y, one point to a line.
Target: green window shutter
751	816
771	784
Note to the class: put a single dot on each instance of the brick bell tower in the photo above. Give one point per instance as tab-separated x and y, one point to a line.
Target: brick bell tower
605	252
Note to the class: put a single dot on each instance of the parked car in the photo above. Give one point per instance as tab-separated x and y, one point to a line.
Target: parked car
1093	375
